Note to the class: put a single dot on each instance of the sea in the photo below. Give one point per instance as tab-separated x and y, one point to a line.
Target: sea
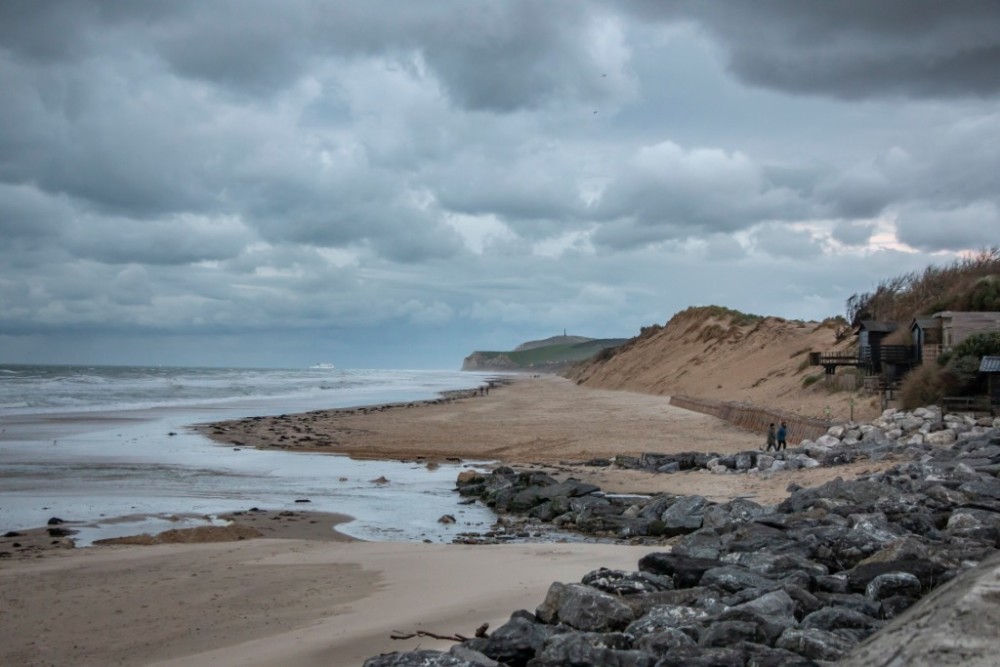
111	449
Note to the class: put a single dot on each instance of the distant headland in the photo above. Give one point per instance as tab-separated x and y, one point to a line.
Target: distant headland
550	355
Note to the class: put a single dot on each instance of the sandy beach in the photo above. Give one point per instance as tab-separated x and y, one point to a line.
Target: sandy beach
300	595
545	422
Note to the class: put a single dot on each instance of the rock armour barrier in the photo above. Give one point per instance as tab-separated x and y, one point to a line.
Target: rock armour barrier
754	418
803	582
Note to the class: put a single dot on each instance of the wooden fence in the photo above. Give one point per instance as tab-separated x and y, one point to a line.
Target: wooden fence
755	419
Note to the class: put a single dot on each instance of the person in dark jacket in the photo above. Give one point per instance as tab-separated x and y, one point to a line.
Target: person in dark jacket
782	435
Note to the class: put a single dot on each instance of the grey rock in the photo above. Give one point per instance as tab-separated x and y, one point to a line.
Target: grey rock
893	584
516	641
613	650
697	656
928	572
583	608
772	613
463	652
684	516
815	644
619	582
685	570
940	438
739	510
730	632
853	601
662	641
732	579
665	617
705	543
835	618
423	658
761	655
745	460
892	607
834	583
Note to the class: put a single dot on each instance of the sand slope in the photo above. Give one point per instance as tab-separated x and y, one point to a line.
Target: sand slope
702	354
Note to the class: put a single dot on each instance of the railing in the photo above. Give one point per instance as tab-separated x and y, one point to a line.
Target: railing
754	418
898	354
868	357
968	403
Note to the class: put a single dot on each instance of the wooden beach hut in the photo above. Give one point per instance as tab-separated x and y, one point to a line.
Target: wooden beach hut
925	332
956	326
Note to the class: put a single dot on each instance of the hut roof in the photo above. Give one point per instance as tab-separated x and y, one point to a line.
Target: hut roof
926	322
878	326
989	365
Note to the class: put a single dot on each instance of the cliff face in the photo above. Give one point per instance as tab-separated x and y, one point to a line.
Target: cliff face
552	355
478	361
708	353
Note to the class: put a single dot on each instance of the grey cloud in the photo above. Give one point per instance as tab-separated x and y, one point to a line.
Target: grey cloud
266	169
496	56
684	193
782	242
853	48
853	233
521	54
131	287
626	235
722	248
175	240
79	132
361	207
536	194
859	194
61	30
864	190
251	49
26	213
46	31
971	227
419	239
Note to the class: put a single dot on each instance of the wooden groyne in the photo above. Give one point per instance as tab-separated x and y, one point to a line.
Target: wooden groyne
756	419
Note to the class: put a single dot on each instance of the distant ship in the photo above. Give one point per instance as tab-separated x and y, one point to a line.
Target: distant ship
322	367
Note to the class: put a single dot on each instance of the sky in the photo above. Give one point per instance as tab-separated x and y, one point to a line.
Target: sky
390	184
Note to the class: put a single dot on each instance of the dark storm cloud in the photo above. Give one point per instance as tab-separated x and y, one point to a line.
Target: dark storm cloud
854	48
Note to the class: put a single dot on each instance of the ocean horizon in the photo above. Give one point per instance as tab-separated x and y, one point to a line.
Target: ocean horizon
93	444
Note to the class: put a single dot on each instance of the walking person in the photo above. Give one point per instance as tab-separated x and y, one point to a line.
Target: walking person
782	436
771	438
